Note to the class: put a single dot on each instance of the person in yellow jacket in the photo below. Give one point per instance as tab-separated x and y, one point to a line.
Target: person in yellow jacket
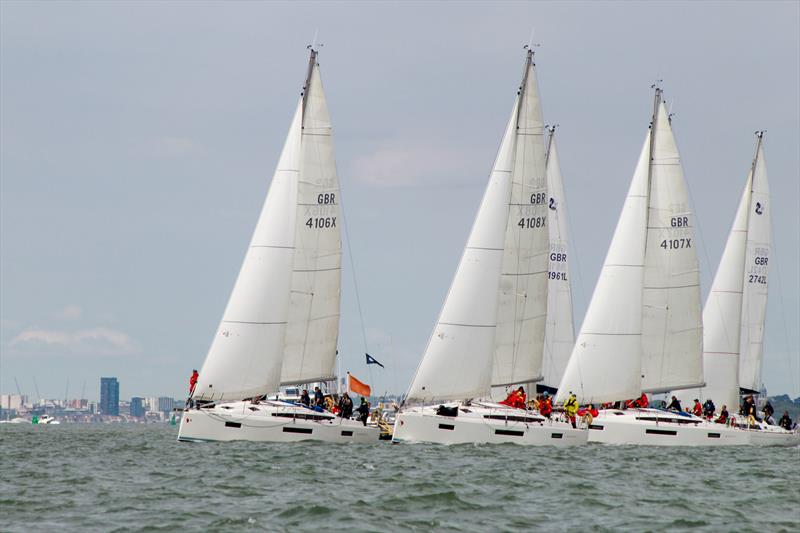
571	408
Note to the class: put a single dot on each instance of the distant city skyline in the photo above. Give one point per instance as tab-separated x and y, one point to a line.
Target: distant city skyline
137	142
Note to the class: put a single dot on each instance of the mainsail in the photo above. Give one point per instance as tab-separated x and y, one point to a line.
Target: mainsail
559	333
642	329
313	328
522	307
672	337
290	274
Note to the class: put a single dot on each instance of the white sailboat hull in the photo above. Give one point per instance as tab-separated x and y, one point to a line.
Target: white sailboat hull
484	423
654	427
270	422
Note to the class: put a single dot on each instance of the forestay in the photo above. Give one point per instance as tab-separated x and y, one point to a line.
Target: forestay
522	305
672	341
313	324
246	353
559	332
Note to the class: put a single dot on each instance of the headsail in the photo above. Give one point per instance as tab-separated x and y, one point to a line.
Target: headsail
522	307
313	325
560	333
457	362
672	338
247	351
605	364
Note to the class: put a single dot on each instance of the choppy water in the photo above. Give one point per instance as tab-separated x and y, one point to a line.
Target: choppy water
120	478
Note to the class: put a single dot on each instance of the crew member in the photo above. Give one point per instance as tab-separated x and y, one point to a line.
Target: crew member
588	414
546	406
345	406
697	409
709	408
305	399
363	411
319	398
675	405
785	422
723	415
571	408
193	382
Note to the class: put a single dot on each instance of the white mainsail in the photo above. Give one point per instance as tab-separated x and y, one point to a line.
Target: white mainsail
313	324
754	297
247	351
522	306
642	329
672	337
559	333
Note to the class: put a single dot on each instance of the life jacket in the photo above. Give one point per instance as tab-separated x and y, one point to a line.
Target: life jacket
643	401
546	408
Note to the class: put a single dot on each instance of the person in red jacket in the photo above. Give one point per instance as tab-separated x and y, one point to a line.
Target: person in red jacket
516	399
193	381
642	402
697	408
588	414
546	406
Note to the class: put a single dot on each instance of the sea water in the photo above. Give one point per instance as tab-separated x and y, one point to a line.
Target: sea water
138	478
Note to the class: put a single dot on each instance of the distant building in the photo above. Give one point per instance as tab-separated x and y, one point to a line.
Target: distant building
12	401
137	407
109	396
165	404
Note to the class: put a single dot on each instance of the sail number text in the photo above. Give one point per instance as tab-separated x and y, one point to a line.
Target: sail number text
532	222
676	244
326	198
321	222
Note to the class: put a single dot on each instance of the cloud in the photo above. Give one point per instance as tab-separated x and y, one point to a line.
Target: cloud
94	341
418	163
71	312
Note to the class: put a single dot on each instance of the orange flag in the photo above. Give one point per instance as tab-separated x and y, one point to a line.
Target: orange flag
356	386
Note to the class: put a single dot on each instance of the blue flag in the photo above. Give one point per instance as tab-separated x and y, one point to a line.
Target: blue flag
372	361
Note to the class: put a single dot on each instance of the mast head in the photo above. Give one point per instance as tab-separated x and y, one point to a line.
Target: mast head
760	133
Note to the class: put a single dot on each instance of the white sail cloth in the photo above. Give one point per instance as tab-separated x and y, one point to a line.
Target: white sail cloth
281	323
313	329
559	332
672	337
642	330
735	310
522	306
247	351
457	362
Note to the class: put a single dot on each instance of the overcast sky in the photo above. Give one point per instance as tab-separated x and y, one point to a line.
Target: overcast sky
137	141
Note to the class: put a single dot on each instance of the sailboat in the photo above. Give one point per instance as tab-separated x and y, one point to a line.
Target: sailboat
643	331
490	331
735	312
281	324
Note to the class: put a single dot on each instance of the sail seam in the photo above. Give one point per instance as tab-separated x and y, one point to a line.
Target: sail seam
257	323
467	325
